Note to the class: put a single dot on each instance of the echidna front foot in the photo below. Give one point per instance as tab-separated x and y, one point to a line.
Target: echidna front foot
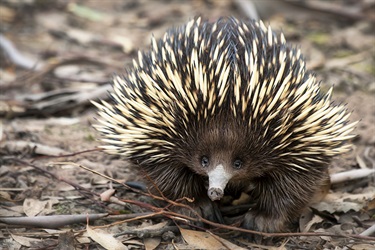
210	211
204	208
261	223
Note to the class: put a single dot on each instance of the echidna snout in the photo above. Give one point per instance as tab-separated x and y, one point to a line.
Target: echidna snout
218	179
215	193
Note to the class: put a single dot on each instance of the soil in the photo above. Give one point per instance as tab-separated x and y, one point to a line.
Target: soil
78	46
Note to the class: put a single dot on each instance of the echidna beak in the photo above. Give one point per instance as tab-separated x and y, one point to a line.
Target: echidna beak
215	193
218	179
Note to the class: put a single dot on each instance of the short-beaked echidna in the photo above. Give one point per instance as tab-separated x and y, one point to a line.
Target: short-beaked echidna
226	106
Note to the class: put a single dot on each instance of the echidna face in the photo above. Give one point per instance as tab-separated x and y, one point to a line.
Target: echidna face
220	167
221	151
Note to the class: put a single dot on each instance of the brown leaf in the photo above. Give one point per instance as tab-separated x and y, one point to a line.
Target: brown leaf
203	240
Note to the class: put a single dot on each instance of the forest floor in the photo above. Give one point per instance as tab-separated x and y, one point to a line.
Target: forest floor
56	56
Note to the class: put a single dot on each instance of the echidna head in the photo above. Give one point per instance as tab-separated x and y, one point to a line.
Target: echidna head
221	150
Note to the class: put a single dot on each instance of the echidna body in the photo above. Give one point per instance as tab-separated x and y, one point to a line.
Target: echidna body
222	106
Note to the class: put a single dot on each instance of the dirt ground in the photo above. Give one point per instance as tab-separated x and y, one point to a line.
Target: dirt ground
67	53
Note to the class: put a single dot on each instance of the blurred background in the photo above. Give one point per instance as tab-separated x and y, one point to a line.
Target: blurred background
57	55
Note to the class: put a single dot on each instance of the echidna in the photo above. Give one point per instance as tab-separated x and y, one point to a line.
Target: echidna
227	106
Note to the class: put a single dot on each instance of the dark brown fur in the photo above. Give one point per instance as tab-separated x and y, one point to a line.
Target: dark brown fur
278	194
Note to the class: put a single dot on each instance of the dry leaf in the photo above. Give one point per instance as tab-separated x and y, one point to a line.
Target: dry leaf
33	207
24	241
326	238
344	202
304	219
314	220
333	207
133	242
7	14
153	227
106	195
151	243
362	247
203	240
105	239
371	204
84	239
5	196
12	211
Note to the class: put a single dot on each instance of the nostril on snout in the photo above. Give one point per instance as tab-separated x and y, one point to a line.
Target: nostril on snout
215	193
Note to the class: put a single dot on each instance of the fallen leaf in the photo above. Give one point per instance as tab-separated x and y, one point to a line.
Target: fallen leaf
371	204
151	243
106	195
326	238
33	207
5	196
24	241
11	211
333	207
362	247
153	227
203	240
105	239
314	220
305	218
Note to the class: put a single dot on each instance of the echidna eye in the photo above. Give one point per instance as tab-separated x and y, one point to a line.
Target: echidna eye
237	164
205	161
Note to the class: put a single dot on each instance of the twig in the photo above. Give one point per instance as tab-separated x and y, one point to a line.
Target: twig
16	57
351	175
51	221
132	217
65	154
37	148
369	231
330	8
147	233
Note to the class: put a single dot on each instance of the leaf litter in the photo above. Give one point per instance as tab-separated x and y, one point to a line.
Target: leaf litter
65	55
